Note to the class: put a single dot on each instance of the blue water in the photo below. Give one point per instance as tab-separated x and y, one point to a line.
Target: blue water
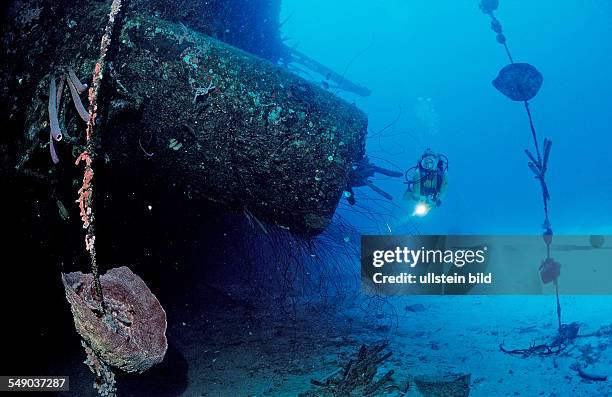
253	313
432	63
440	57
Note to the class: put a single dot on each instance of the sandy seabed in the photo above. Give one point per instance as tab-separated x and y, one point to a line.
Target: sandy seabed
236	351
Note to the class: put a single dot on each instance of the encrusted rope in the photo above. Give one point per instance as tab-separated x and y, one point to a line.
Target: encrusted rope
86	190
541	163
538	165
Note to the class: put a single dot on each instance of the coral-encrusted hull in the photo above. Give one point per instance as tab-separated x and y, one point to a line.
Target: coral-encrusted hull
133	337
181	112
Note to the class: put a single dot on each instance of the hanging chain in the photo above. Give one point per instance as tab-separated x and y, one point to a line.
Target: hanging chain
537	164
86	190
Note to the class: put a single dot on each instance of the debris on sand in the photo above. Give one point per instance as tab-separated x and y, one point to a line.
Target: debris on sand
356	378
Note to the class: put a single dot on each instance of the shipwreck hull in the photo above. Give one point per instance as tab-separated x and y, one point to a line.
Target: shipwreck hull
183	110
233	128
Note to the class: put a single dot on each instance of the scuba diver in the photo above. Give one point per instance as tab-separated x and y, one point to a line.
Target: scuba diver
360	174
427	182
